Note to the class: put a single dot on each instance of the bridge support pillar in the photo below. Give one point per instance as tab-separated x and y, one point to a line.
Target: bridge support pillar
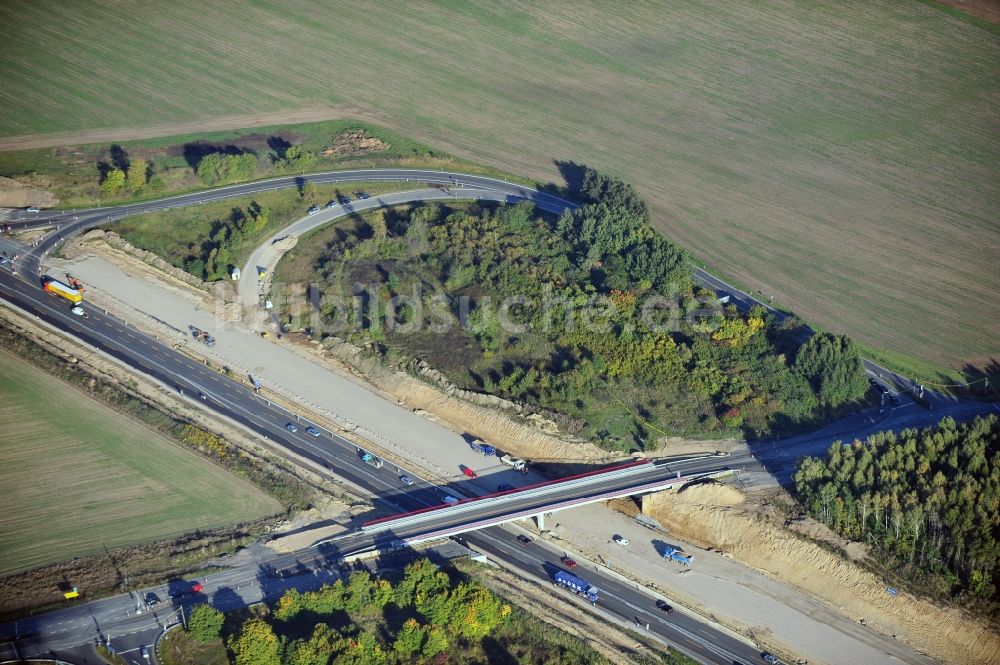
540	521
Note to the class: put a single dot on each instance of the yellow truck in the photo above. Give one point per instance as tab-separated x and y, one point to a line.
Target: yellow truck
55	286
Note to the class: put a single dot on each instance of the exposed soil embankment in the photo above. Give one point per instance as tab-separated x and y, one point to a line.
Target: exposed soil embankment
718	516
16	194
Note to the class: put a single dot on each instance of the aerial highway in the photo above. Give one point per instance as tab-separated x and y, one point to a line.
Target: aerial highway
237	401
70	223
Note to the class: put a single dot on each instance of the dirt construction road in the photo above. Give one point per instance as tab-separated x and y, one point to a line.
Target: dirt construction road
774	612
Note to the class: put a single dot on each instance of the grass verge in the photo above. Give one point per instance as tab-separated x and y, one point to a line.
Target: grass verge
73	174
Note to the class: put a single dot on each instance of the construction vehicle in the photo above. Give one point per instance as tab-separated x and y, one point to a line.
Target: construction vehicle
481	446
517	464
577	585
201	335
75	283
674	554
56	287
372	461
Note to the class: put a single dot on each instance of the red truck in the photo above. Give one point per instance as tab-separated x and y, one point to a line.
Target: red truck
469	472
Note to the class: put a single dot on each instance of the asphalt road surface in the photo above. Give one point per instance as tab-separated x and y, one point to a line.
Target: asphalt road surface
238	402
66	632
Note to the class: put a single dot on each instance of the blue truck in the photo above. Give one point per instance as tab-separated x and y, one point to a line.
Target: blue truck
481	446
576	585
674	554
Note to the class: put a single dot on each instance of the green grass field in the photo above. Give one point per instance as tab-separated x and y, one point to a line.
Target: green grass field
840	156
78	477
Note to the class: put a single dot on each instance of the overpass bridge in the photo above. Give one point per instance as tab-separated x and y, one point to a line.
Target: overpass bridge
534	501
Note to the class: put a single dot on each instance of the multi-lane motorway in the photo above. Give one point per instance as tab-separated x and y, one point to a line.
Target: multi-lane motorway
236	400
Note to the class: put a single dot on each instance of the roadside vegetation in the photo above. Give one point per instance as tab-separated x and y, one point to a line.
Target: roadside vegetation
105	174
209	240
602	324
925	500
425	615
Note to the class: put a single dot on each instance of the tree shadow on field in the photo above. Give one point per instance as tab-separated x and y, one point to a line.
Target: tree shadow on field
983	381
118	156
114	158
279	145
194	152
572	173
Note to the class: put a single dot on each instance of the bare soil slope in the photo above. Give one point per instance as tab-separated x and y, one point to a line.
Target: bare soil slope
716	516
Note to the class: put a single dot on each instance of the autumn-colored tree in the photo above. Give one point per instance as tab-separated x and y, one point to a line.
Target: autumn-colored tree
310	193
114	182
382	593
318	649
376	222
208	442
476	611
256	644
363	650
410	638
289	605
136	178
735	331
435	643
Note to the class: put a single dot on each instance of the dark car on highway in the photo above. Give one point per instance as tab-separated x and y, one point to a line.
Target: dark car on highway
663	605
524	540
566	561
152	599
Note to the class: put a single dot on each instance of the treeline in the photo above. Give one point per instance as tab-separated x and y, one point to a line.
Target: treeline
927	500
212	259
426	616
623	374
214	165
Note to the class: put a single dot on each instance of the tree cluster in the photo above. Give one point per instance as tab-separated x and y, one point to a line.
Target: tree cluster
425	614
133	179
726	371
219	169
295	159
205	623
927	500
832	365
212	258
